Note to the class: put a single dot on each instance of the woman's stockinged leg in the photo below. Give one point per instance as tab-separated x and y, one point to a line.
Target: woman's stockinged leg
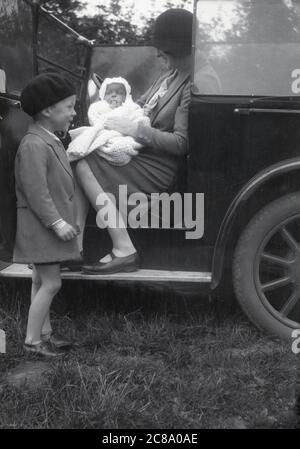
49	276
122	244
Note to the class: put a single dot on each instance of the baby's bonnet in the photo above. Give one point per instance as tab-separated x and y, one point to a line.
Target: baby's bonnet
118	80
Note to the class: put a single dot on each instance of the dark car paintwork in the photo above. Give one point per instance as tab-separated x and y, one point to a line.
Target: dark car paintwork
228	148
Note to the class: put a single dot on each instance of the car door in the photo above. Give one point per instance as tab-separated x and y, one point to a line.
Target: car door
31	41
16	69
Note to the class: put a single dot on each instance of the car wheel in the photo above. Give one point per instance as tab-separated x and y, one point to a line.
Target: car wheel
266	267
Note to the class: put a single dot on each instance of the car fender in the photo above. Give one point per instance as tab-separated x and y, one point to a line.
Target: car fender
257	181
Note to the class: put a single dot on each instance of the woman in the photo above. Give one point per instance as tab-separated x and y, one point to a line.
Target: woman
165	141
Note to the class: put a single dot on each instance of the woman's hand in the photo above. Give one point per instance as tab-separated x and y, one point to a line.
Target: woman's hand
122	125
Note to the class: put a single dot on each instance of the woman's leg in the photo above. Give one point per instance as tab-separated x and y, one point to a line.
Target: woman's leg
49	276
36	284
122	244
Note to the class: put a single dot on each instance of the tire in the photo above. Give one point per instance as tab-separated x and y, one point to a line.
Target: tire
266	267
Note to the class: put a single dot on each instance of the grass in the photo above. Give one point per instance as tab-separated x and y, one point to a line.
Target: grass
147	358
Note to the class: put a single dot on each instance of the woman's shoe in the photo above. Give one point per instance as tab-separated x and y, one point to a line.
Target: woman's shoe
127	264
43	349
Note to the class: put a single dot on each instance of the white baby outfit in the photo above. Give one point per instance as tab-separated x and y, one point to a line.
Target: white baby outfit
109	144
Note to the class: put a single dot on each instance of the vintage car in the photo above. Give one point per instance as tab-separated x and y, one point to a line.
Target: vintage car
241	176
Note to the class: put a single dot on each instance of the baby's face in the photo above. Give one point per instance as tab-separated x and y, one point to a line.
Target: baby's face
115	95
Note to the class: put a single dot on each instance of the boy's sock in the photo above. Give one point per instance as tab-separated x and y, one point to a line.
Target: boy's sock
46	336
32	343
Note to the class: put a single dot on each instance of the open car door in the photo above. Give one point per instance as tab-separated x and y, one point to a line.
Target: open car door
31	41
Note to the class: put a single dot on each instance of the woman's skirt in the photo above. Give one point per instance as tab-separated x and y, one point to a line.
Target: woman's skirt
146	173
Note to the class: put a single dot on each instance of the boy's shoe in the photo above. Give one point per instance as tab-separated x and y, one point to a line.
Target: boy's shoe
72	265
42	348
57	341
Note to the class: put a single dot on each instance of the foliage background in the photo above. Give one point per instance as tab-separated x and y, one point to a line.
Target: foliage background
111	23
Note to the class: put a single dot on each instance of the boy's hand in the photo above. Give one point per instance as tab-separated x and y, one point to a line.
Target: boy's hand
65	231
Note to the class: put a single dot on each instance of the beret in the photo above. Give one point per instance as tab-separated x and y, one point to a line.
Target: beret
45	90
173	30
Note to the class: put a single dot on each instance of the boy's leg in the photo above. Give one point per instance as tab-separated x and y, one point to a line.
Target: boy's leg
39	308
36	284
47	328
82	207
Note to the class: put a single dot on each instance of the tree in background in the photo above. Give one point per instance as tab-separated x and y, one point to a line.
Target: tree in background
253	45
111	23
251	21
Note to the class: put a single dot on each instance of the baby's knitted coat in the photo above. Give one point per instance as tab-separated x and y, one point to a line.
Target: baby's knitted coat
109	144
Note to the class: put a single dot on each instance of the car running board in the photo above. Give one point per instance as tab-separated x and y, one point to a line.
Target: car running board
22	271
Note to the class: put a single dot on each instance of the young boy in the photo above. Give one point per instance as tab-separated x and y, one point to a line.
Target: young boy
46	215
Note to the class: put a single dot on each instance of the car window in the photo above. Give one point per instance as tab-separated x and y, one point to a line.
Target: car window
247	47
138	64
56	48
16	55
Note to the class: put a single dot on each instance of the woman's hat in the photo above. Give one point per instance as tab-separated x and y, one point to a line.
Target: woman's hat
45	90
173	32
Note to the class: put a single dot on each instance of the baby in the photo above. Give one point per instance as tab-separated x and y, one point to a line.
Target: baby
115	101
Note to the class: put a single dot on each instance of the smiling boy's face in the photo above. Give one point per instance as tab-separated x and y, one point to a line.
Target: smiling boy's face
61	114
115	95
